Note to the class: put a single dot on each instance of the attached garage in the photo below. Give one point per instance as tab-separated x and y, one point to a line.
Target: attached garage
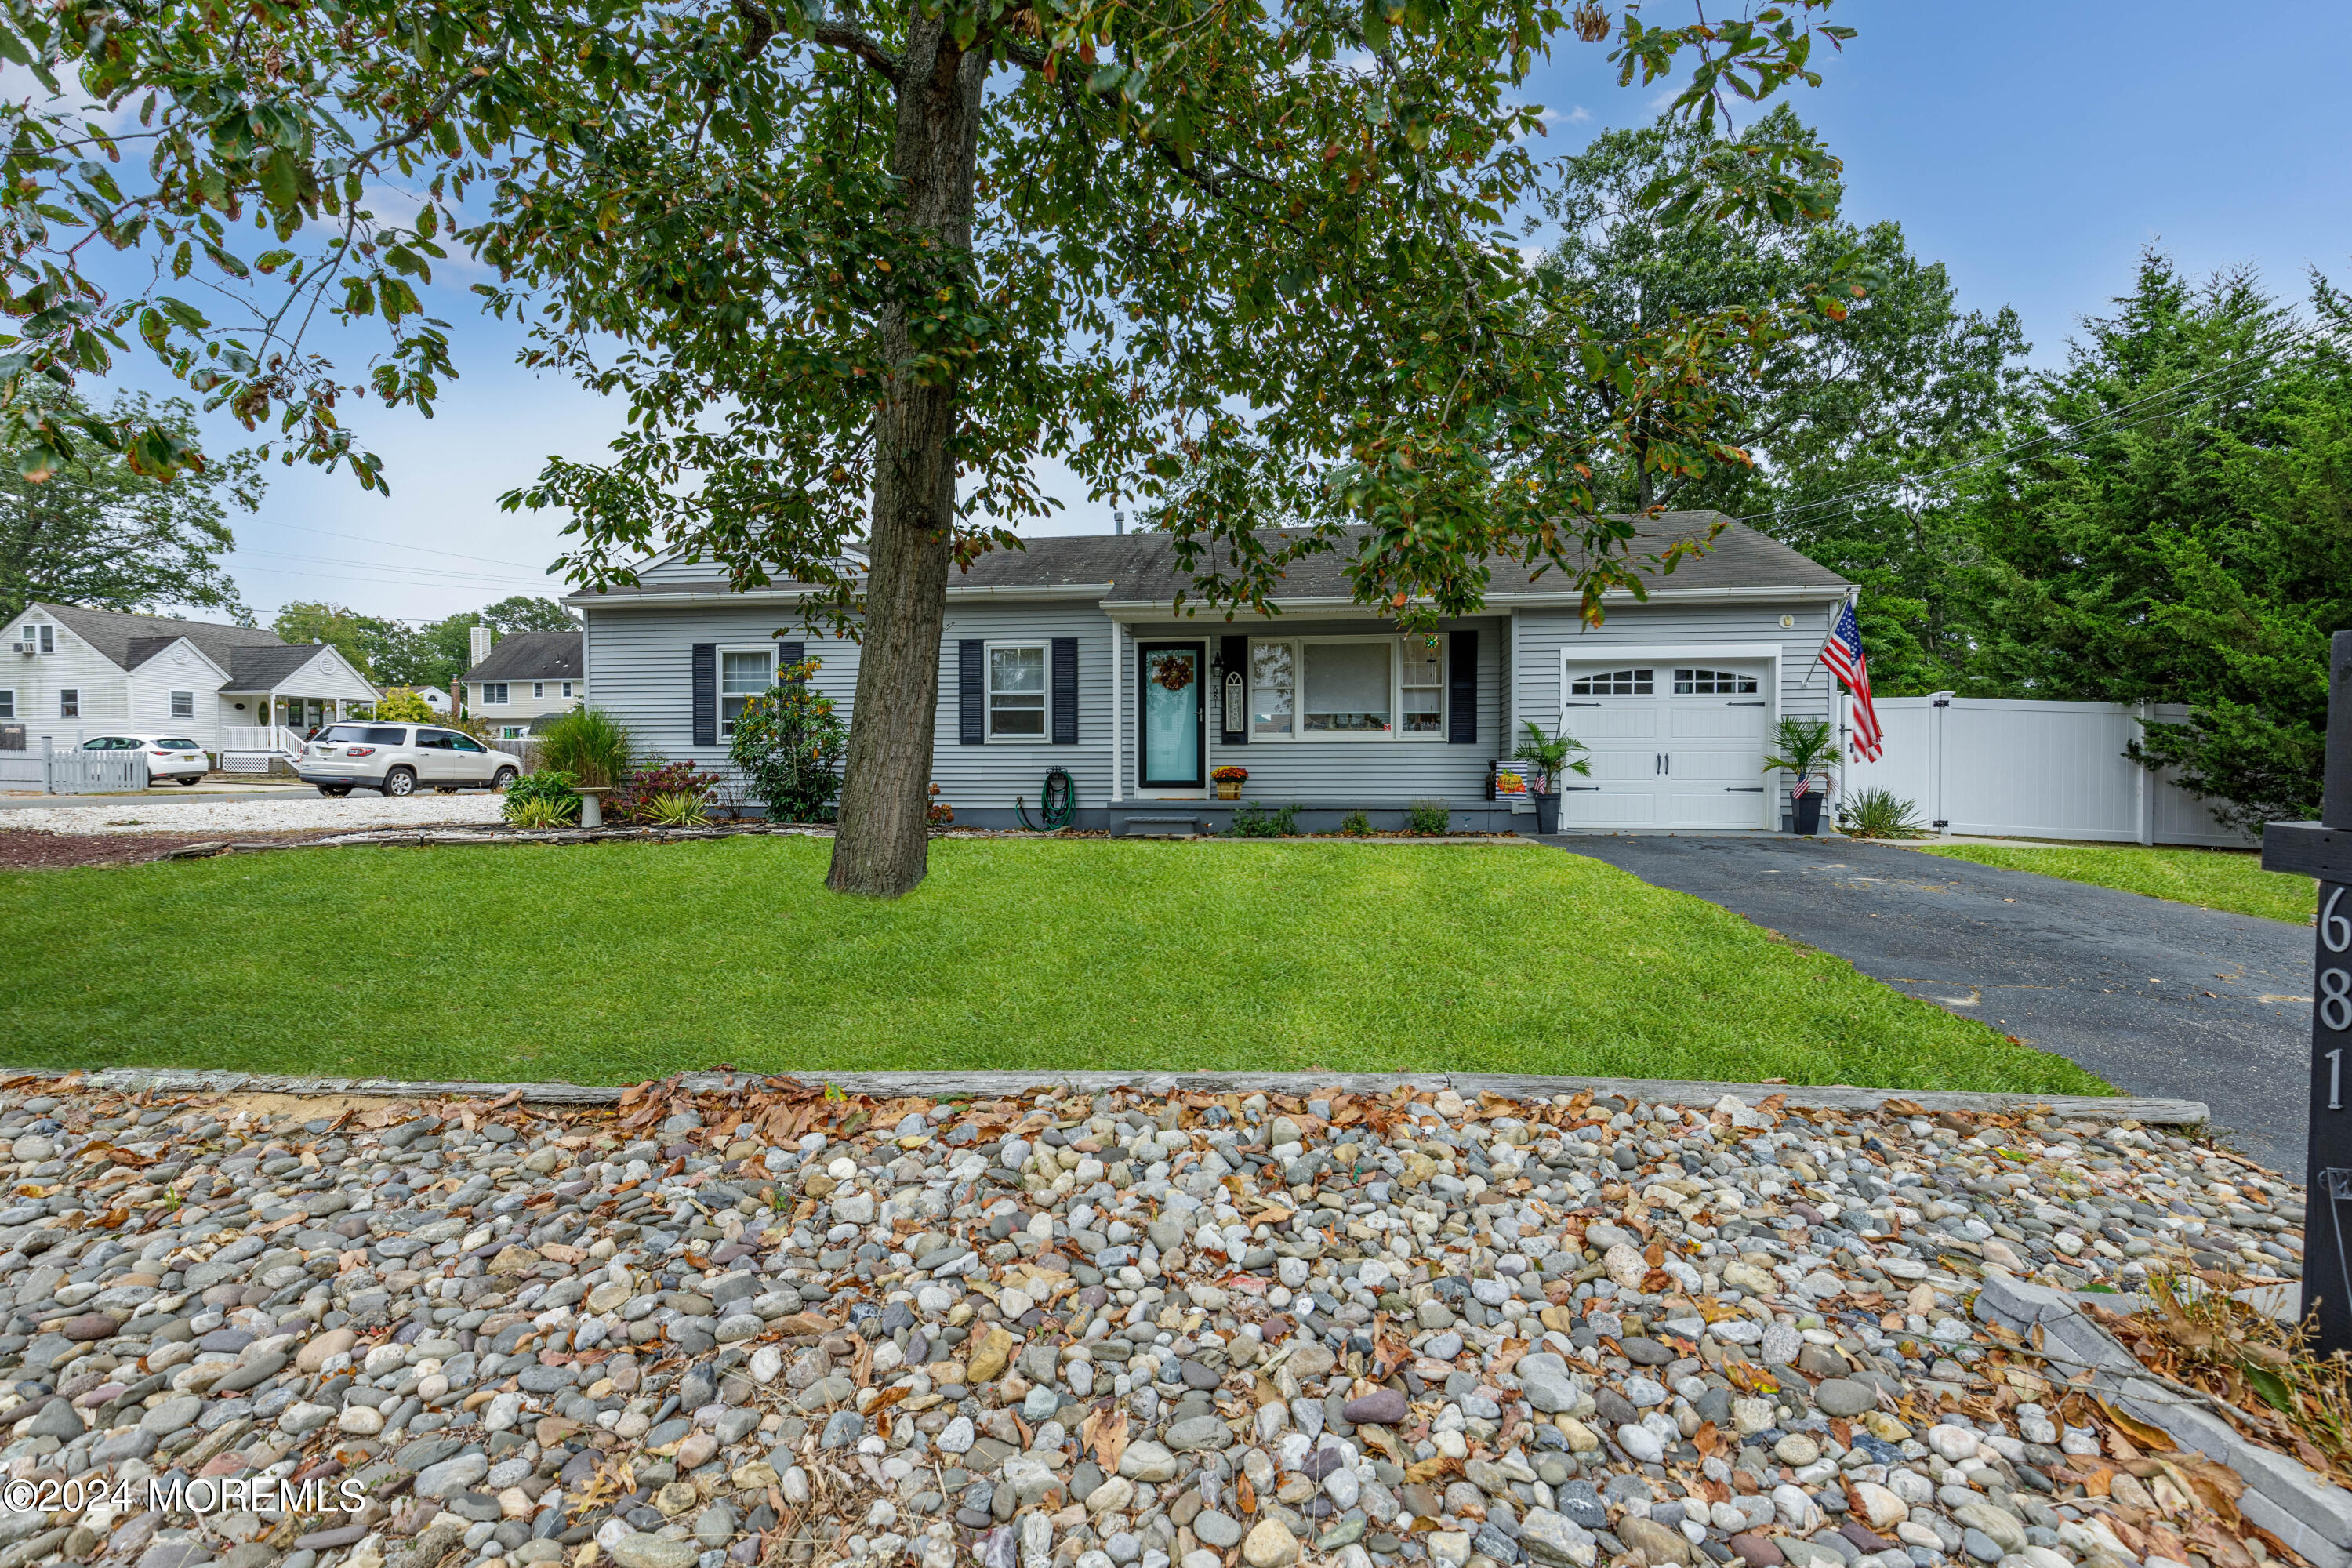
1677	737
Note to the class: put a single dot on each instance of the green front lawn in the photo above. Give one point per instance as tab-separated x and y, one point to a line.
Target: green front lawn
2230	880
623	961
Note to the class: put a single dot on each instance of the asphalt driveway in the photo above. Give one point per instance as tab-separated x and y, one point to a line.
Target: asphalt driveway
2156	997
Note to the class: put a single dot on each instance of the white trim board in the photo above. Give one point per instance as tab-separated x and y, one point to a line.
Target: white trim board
1609	652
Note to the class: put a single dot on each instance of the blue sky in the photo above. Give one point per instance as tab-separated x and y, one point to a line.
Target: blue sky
2033	149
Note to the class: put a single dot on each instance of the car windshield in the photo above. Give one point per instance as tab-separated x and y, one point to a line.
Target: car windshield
366	734
175	745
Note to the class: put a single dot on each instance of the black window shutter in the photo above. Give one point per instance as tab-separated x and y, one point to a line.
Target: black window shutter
1065	692
1461	689
706	694
789	654
972	692
1233	656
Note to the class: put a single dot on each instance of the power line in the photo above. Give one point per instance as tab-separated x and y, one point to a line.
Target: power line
416	574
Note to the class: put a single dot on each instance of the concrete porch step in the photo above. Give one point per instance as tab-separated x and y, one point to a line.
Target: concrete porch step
1159	827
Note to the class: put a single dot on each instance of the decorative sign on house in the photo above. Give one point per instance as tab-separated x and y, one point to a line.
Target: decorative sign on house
2323	849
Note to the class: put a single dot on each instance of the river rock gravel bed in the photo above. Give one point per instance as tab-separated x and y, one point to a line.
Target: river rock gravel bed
1080	1331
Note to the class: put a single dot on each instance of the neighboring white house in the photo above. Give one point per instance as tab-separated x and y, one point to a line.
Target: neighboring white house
525	676
67	672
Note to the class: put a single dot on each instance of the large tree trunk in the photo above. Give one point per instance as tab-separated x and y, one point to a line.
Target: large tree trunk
881	848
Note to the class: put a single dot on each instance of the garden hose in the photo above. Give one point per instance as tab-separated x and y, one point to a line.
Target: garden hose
1058	804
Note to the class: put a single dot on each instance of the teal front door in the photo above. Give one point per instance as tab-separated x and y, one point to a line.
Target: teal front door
1174	710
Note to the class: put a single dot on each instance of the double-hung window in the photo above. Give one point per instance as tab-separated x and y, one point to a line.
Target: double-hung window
567	689
69	702
1347	686
743	674
494	693
1017	691
38	635
538	689
7	703
183	705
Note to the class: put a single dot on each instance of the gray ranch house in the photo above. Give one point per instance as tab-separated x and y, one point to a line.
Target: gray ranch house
1069	655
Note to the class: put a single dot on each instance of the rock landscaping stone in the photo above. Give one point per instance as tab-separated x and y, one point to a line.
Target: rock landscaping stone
771	1329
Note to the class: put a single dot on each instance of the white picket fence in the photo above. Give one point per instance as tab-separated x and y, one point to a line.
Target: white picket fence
73	771
2034	769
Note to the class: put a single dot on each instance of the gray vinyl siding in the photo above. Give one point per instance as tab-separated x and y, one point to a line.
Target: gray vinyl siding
1803	688
675	568
1343	772
991	774
640	662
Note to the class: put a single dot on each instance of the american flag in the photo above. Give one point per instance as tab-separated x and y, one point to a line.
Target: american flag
1843	653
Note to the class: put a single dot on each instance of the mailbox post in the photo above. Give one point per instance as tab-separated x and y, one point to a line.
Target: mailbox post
2323	849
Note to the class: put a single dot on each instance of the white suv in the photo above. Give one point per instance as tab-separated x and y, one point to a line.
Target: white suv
399	759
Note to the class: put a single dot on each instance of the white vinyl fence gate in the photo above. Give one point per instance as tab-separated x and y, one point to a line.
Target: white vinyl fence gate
2034	769
75	772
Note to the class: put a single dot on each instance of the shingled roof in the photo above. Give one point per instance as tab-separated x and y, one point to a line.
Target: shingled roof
131	640
535	656
1136	569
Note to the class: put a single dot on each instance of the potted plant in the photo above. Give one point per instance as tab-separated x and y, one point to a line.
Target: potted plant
1806	744
1548	757
1229	781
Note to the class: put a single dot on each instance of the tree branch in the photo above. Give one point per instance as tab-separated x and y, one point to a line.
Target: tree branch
832	34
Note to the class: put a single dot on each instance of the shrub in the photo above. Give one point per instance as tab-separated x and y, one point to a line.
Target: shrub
590	746
1253	820
1356	824
1428	816
544	799
1879	813
788	743
680	808
401	705
632	801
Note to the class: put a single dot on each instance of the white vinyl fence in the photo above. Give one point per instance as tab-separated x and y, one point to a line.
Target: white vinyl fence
73	771
2034	769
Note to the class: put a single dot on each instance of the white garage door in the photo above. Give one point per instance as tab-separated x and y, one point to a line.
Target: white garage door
1672	746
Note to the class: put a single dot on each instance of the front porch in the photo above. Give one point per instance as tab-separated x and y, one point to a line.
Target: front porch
265	731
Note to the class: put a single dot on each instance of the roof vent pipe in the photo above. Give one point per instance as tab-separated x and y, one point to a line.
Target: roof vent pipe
1119	522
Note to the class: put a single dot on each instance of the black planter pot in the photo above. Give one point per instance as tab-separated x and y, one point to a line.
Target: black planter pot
1808	812
1548	813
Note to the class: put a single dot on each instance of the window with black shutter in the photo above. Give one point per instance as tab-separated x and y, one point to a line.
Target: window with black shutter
1461	690
1065	692
971	692
706	694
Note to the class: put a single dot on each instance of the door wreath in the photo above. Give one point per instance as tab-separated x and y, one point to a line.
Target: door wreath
1172	671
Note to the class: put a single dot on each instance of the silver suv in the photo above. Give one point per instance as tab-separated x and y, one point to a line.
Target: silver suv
400	759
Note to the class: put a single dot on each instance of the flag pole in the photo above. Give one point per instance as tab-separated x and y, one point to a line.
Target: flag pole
1845	703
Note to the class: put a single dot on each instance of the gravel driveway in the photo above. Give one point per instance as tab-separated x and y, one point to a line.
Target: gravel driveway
233	814
2156	997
